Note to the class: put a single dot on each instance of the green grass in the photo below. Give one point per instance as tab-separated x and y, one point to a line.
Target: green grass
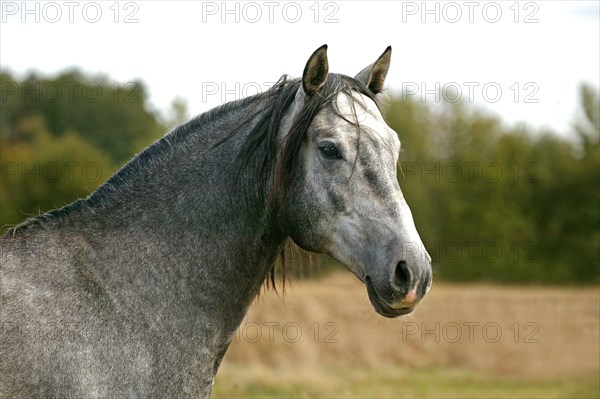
234	381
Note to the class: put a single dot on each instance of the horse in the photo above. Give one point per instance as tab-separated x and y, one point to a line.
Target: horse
138	289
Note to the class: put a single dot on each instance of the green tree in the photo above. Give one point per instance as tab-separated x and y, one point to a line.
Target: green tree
501	204
61	137
112	116
45	172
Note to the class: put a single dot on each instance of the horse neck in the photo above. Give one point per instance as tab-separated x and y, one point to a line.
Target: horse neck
182	229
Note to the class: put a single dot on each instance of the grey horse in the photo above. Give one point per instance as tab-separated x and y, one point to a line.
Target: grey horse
138	289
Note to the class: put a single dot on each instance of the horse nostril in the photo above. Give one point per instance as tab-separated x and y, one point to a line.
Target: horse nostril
402	278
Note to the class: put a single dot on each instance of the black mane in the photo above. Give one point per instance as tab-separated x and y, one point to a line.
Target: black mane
259	156
273	166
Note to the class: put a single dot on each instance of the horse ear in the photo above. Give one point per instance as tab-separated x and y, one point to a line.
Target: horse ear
315	71
374	75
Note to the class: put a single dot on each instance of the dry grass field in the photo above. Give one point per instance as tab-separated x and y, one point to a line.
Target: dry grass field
323	339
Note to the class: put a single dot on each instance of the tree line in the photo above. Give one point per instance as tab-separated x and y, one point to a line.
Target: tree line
492	202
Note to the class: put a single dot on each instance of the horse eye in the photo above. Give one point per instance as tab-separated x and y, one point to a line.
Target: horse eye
330	151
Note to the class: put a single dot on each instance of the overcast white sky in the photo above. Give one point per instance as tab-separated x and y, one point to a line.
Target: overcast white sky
521	60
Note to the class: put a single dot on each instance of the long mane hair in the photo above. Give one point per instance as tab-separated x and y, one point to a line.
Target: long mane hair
273	163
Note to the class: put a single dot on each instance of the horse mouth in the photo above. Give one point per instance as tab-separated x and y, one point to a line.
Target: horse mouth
381	306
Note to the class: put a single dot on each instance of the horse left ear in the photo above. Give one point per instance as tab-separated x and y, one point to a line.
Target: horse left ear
315	71
374	75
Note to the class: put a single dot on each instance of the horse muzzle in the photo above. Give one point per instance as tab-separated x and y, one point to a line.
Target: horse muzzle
402	291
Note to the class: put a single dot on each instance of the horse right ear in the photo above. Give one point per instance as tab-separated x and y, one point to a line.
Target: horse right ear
374	75
315	71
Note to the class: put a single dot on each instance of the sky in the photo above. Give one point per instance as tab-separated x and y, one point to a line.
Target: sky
523	61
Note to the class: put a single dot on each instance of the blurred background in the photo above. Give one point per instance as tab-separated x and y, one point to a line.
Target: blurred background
498	111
